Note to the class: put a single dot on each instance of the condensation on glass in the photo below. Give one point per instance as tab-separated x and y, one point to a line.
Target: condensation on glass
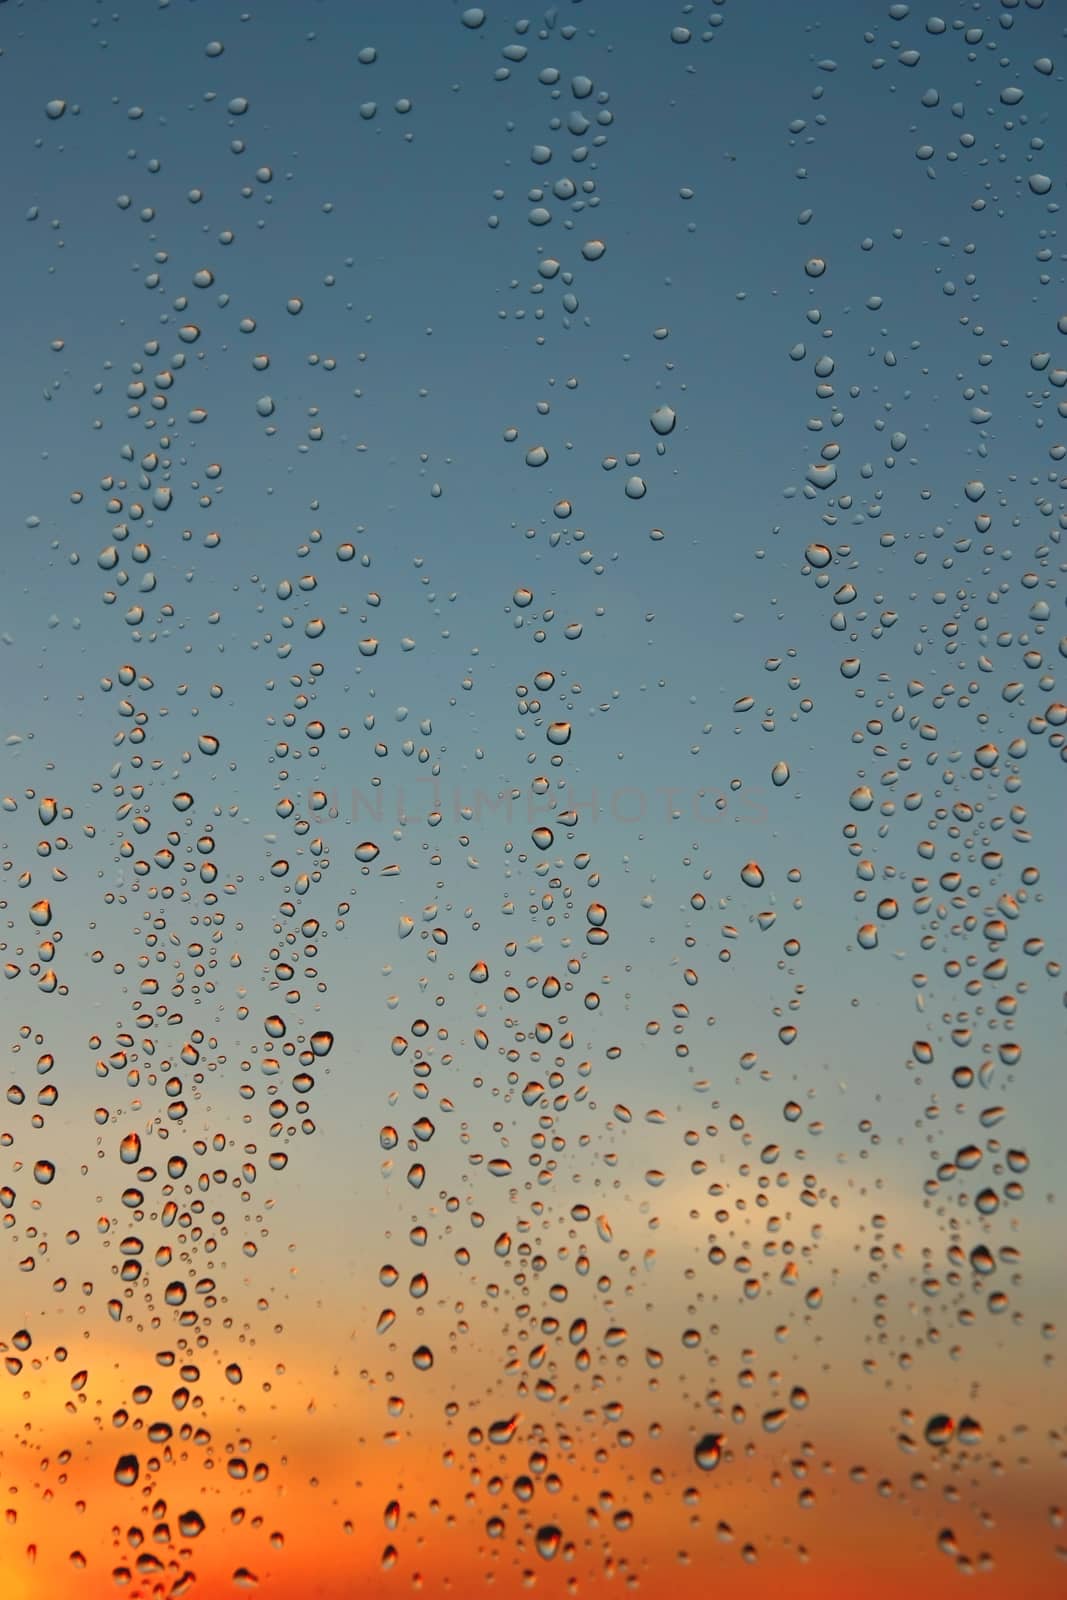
532	871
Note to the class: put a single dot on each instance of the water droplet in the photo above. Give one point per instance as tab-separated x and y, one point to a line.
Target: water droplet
939	1430
548	1540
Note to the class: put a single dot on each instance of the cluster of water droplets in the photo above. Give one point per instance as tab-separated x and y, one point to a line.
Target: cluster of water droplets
604	1246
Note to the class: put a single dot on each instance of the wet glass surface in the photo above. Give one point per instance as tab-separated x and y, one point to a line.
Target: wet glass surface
532	901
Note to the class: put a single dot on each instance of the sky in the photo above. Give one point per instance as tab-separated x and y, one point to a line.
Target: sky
533	871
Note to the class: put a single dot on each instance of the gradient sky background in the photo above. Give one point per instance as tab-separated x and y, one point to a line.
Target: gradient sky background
177	506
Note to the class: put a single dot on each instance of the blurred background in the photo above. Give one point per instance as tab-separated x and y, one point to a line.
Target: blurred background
532	861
